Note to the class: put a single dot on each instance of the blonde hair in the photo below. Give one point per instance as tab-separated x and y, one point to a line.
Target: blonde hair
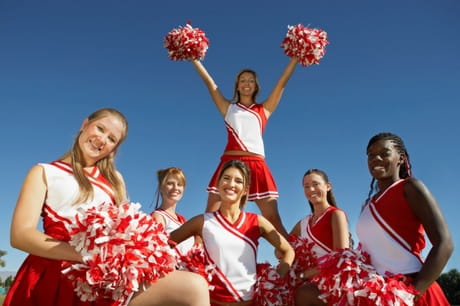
162	176
105	165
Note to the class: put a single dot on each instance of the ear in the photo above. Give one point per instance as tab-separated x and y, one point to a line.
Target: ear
329	186
246	190
402	159
84	124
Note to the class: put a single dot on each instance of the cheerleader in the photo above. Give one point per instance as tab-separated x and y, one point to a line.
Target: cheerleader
83	178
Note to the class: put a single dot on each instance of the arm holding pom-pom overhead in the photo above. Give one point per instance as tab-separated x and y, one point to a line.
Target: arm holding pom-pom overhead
275	96
219	100
305	43
186	43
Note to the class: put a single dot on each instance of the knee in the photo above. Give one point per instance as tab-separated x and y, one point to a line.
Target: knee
307	295
268	208
198	286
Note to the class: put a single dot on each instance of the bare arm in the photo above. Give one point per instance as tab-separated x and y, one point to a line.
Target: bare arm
192	227
340	233
216	95
427	210
340	238
275	96
282	246
296	229
159	218
24	233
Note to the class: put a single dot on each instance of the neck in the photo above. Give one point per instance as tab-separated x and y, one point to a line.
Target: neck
170	207
320	208
230	212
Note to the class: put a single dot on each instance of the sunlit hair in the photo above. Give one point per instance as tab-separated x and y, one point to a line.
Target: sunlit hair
105	165
404	170
236	93
245	173
162	176
330	195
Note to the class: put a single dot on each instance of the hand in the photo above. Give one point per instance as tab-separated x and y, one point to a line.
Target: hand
308	273
283	268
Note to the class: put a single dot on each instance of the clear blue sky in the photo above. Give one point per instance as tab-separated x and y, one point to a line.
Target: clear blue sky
390	66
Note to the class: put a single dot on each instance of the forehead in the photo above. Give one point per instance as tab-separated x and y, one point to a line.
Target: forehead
313	177
173	177
247	75
382	144
232	171
112	124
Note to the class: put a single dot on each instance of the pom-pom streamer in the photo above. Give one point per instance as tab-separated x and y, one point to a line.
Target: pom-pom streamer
308	45
347	278
122	247
186	43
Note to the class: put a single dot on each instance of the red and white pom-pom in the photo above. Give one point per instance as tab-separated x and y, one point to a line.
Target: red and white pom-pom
305	258
186	43
307	44
197	261
270	289
347	278
121	247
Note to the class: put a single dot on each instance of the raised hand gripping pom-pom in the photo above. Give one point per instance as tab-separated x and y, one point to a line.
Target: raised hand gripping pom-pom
307	44
186	43
121	247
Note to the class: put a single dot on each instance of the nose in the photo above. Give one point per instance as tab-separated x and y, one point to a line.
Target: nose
99	141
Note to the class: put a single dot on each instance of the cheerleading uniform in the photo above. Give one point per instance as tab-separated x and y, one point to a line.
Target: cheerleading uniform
39	280
172	223
232	248
392	235
319	232
245	126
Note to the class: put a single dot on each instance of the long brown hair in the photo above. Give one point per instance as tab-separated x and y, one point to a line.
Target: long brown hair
106	165
236	93
330	195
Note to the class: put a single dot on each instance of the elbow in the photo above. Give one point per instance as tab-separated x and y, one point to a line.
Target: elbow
449	247
15	240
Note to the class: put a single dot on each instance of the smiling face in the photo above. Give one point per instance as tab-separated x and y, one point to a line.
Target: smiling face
100	137
384	160
315	188
247	84
232	186
172	189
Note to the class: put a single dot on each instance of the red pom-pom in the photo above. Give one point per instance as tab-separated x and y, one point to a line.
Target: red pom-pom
121	247
308	45
186	43
197	261
347	278
305	258
270	289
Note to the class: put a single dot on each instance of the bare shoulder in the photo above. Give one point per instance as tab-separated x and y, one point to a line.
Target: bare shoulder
415	187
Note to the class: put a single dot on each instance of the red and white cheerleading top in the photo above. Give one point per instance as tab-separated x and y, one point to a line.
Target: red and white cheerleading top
245	126
172	223
62	191
390	232
320	232
233	249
